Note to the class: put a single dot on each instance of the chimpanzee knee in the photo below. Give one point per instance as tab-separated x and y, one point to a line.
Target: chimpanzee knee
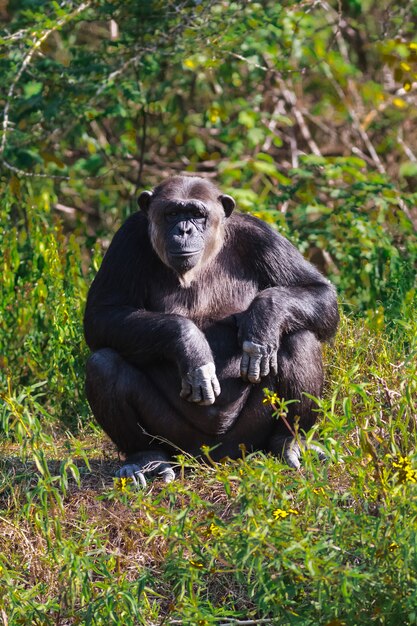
300	371
101	366
101	379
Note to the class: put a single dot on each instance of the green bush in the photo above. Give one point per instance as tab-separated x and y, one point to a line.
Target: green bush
43	296
353	219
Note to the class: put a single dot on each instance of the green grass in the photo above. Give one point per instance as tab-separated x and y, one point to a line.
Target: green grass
333	543
252	540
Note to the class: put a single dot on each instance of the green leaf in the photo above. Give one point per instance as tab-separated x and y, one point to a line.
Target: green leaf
247	118
408	169
33	88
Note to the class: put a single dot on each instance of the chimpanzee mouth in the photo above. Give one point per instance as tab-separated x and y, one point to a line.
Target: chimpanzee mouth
184	253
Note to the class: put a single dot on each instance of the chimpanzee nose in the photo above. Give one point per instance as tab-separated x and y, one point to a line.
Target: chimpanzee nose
184	228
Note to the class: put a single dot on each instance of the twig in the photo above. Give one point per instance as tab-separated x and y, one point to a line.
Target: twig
360	153
352	112
19	34
272	126
292	139
120	70
410	154
291	99
71	210
355	120
17	170
239	57
341	43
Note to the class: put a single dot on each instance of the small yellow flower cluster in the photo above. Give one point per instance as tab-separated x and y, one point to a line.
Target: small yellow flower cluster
406	474
122	484
282	514
319	491
190	63
270	397
215	530
393	546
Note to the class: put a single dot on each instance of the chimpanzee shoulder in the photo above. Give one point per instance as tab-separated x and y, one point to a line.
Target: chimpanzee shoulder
273	258
133	236
126	265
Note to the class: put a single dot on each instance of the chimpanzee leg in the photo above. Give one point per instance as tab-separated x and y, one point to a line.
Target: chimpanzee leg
134	412
300	371
129	408
136	416
108	387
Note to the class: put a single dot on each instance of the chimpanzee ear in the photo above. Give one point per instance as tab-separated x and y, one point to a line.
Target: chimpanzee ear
143	200
228	204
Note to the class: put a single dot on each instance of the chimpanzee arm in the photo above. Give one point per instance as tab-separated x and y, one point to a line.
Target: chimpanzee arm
294	296
116	318
142	336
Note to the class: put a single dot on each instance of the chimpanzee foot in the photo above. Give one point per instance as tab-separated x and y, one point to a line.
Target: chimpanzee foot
143	465
291	450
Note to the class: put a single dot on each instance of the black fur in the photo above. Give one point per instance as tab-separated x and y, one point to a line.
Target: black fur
147	330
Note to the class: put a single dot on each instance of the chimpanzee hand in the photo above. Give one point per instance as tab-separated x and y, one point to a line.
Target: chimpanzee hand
201	385
258	361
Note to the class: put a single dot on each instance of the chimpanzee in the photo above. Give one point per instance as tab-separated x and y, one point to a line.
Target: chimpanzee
194	311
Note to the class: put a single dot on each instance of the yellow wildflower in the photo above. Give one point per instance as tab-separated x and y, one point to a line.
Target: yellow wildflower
282	513
270	397
214	114
215	530
399	103
393	546
406	474
122	484
293	511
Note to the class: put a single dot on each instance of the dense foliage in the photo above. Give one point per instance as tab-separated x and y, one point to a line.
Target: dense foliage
305	112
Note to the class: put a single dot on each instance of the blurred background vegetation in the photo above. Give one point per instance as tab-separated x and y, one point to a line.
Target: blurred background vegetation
304	111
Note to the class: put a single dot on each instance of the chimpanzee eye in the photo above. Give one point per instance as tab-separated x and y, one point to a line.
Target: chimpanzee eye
172	214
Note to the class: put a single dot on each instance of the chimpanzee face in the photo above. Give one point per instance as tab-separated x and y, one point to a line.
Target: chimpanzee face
185	224
186	221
